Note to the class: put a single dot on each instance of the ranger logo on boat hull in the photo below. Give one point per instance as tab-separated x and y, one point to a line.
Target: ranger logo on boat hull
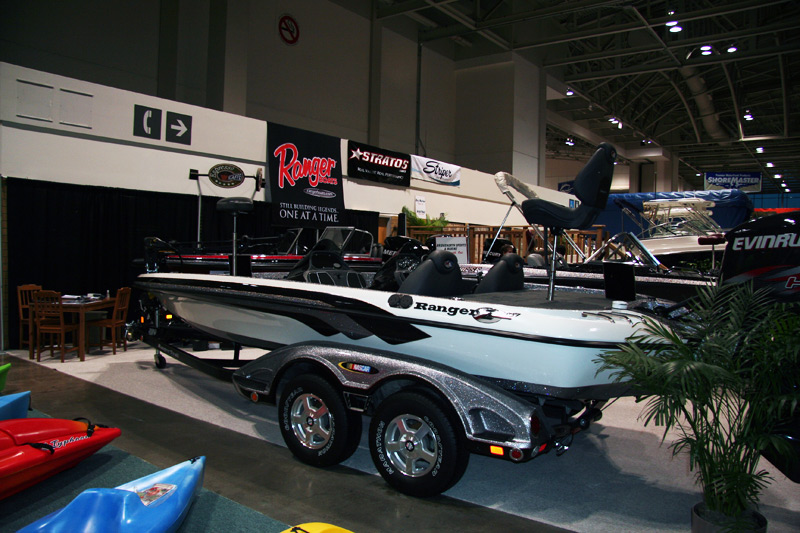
486	315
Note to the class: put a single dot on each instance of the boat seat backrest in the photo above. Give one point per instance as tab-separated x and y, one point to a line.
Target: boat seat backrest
592	186
438	275
505	275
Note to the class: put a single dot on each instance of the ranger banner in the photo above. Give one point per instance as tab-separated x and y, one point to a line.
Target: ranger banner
376	164
305	177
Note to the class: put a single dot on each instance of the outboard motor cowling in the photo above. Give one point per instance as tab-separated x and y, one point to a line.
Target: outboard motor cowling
765	251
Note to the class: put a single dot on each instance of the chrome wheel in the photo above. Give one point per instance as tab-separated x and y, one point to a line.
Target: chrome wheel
311	421
411	445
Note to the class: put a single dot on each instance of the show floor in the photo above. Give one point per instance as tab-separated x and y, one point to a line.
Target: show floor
616	477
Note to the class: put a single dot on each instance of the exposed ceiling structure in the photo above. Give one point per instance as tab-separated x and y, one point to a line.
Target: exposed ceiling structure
685	93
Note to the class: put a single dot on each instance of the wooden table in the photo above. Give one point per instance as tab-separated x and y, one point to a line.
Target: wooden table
80	307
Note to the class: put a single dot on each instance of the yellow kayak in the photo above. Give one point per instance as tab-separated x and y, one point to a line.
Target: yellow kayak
316	527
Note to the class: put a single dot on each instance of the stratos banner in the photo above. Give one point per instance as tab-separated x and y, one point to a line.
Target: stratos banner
426	169
305	177
376	164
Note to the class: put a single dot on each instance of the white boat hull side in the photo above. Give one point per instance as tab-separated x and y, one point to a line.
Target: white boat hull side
532	345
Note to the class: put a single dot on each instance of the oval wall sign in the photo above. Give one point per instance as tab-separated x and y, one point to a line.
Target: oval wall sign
226	175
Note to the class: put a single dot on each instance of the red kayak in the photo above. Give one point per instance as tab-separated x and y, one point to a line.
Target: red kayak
33	449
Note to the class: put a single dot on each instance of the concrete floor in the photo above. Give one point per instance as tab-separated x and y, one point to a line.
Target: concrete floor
616	477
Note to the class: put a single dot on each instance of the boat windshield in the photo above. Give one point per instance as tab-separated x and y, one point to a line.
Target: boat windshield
349	239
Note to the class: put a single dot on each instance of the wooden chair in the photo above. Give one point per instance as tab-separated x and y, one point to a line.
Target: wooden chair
48	312
24	297
116	322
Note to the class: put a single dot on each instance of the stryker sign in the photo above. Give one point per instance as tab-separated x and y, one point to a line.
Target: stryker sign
763	242
377	164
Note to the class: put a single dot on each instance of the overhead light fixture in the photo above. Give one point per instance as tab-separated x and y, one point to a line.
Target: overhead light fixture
673	27
760	150
748	115
706	48
569	92
569	142
770	165
788	190
732	48
778	176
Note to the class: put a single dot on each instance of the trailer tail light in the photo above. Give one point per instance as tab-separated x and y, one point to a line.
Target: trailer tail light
543	448
496	450
169	316
516	454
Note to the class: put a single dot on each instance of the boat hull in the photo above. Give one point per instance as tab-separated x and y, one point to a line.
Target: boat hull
57	445
154	503
550	347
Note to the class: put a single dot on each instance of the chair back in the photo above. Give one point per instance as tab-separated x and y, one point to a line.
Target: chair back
123	299
25	297
47	307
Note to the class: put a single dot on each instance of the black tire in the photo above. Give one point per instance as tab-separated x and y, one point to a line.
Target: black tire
316	426
160	361
415	445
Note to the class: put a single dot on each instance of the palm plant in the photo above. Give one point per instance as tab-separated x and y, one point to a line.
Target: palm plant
725	378
435	223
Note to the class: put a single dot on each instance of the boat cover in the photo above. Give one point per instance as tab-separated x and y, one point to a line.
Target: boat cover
732	207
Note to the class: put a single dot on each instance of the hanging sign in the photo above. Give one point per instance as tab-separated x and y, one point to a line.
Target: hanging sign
744	181
305	177
376	164
426	169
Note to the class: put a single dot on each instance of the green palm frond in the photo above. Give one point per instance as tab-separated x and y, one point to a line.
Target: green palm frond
722	379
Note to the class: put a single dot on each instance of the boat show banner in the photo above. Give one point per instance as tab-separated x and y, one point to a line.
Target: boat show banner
744	181
305	177
426	169
376	164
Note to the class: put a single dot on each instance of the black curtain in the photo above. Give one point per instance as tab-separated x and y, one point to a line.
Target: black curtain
78	239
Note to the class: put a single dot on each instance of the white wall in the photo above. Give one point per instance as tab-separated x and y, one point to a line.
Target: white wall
58	129
64	130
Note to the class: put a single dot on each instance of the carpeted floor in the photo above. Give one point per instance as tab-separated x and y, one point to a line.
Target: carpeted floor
616	477
111	467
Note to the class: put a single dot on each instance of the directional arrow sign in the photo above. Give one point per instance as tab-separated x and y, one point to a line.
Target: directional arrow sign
179	128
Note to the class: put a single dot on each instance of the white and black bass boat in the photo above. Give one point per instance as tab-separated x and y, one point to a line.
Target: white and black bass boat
519	338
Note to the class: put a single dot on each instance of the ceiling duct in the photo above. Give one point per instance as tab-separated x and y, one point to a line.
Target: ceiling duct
705	104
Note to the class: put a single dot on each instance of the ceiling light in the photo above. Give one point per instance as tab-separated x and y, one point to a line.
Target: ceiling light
760	149
705	47
748	115
570	142
778	176
732	48
770	165
705	53
788	190
675	29
570	92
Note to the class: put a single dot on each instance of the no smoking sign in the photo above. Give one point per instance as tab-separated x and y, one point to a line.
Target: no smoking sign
288	29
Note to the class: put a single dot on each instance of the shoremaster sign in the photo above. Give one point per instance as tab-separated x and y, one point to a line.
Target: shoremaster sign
147	123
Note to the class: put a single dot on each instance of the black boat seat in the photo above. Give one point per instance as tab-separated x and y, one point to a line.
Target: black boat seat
592	185
237	205
438	275
505	275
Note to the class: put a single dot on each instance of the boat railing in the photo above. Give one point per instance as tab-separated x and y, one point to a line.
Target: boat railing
524	239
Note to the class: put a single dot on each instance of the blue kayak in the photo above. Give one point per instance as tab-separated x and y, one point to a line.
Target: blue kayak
158	502
15	405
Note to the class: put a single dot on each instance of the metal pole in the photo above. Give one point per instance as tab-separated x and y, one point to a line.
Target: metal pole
496	235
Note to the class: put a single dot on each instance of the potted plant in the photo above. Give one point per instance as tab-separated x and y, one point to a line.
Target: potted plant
725	377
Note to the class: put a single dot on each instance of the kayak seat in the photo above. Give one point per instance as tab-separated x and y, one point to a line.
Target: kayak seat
438	275
505	275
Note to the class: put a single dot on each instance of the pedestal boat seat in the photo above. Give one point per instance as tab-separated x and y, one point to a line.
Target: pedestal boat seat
592	186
